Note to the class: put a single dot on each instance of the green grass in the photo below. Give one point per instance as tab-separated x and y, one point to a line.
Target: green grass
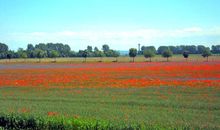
153	107
157	58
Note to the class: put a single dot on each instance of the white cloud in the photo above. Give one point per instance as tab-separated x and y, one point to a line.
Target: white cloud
121	39
192	29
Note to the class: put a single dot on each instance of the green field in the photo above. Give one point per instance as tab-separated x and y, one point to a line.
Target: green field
153	107
157	58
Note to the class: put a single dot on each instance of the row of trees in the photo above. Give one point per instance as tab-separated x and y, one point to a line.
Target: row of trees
105	52
166	53
53	50
191	49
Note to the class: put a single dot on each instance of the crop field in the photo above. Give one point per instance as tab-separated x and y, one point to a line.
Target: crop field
140	95
139	58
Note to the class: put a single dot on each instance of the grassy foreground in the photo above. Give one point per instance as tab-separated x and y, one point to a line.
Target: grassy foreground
110	108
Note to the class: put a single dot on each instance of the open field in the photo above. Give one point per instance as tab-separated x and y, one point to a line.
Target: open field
160	95
157	58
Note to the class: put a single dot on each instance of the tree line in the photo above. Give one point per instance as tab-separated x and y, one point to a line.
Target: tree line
191	49
166	52
54	50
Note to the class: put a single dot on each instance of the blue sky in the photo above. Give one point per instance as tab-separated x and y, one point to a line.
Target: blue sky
120	23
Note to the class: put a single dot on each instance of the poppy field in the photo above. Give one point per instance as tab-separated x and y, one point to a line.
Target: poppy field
159	95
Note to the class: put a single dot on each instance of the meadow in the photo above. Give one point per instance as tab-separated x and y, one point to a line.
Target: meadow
140	95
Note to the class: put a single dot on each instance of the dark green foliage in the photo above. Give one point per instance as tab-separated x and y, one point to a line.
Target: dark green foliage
105	48
149	54
206	53
216	49
54	54
85	54
116	54
89	48
161	49
133	53
200	49
64	50
26	122
151	48
3	51
167	53
192	49
186	54
3	47
38	53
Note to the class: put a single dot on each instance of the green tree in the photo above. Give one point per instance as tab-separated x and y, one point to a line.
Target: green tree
109	53
151	48
30	47
72	54
116	54
167	53
24	55
89	48
54	54
99	54
133	53
206	53
216	49
10	55
39	54
85	54
3	48
30	50
161	49
96	49
200	49
186	55
3	51
149	54
105	48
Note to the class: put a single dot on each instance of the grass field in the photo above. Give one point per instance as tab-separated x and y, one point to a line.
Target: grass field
164	95
157	58
166	107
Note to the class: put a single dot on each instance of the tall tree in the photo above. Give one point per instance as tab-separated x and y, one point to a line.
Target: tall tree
105	48
99	54
133	53
151	48
186	55
89	48
39	54
206	53
30	47
10	55
116	54
216	49
85	54
30	50
167	53
54	54
161	49
200	49
149	54
3	48
96	49
24	55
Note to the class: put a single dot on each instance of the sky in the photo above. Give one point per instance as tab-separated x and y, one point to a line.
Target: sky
121	24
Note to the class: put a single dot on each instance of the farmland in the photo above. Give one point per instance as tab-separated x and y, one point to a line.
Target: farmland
161	95
139	58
